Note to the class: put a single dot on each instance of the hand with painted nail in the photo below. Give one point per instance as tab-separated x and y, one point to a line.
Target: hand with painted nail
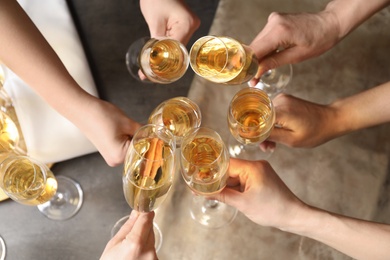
135	240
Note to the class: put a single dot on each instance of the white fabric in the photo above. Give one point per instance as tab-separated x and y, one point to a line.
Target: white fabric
48	135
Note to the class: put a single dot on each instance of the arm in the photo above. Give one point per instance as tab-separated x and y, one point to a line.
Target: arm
25	51
135	240
171	18
306	35
257	191
305	124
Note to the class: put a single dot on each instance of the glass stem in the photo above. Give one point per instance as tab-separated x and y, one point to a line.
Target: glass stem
211	204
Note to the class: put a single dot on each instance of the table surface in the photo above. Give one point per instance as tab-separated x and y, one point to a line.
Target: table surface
348	175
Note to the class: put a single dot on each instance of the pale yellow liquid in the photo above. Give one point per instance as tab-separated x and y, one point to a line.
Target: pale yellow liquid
230	63
9	134
176	115
145	191
24	182
163	59
205	167
251	118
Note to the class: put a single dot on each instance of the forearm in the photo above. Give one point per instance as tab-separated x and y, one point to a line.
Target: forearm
366	109
357	238
25	51
351	13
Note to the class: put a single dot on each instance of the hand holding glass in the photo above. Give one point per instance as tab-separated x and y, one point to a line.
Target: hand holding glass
251	118
222	59
148	172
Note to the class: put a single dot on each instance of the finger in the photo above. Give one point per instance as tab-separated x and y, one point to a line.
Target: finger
267	146
126	228
158	29
277	59
230	197
279	135
142	228
232	182
234	168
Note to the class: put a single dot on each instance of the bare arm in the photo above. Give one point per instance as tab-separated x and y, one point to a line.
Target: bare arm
357	238
26	52
256	190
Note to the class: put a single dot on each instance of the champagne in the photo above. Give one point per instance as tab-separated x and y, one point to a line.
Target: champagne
27	182
9	134
223	60
147	180
205	165
178	114
166	60
251	116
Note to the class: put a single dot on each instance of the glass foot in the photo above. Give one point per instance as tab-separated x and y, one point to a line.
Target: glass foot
66	202
2	249
156	230
212	213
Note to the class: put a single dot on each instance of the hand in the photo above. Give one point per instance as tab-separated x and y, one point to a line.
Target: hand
170	18
108	128
135	240
257	191
300	123
291	38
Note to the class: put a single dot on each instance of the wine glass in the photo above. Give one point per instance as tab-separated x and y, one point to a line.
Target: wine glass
148	172
275	81
3	249
30	182
251	118
178	114
204	162
68	195
160	60
225	60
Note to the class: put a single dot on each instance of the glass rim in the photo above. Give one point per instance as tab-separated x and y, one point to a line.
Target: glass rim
253	90
210	37
192	131
172	144
32	162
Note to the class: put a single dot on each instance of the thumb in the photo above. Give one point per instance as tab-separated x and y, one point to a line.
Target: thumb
230	197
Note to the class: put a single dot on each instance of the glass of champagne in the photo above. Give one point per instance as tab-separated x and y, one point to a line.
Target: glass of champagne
178	114
161	60
204	162
225	60
251	118
30	182
148	172
16	166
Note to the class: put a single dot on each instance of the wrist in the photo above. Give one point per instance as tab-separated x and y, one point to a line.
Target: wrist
308	222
